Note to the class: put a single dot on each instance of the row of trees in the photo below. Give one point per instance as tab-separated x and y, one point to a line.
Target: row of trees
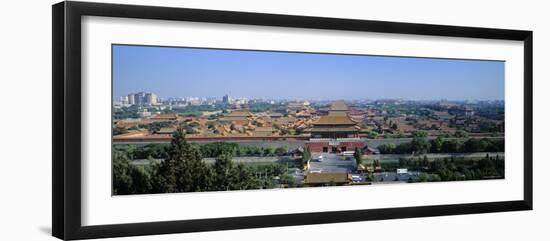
486	168
184	171
155	126
126	112
152	127
452	169
212	150
196	110
421	145
216	148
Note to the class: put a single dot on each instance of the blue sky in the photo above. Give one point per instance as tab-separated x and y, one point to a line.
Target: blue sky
179	72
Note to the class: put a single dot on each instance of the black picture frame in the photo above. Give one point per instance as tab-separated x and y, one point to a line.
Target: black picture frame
66	158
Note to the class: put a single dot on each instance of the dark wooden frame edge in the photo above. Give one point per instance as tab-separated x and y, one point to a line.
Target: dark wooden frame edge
66	127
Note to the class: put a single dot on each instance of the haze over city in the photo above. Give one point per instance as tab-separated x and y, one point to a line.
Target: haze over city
180	72
196	120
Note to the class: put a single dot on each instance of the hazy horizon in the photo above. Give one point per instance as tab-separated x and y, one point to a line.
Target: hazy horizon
308	99
172	72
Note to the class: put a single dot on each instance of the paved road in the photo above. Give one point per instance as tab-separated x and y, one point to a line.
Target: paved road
245	159
330	162
395	157
290	144
384	177
249	159
293	144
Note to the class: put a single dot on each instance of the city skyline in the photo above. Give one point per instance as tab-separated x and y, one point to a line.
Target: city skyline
220	98
185	72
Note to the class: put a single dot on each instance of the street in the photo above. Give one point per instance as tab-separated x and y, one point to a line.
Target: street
330	162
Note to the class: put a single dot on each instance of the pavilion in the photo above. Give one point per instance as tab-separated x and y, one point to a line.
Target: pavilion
337	124
335	132
240	117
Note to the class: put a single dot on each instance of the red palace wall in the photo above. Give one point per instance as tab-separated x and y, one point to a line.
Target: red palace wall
347	146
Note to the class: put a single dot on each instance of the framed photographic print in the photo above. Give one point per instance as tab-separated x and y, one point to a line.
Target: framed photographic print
170	120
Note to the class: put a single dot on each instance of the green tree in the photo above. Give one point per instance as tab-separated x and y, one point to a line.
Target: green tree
403	162
215	149
460	134
243	178
306	156
425	161
420	144
388	148
222	173
358	155
141	180
423	177
373	135
184	168
435	178
163	177
281	150
437	145
375	164
269	151
287	179
370	177
420	134
476	145
122	180
128	178
451	146
403	148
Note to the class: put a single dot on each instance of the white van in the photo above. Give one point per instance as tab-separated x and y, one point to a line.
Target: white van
347	153
402	171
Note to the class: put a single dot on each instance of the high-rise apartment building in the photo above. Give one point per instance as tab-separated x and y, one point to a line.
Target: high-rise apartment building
142	98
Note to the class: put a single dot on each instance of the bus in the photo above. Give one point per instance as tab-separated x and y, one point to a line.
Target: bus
347	153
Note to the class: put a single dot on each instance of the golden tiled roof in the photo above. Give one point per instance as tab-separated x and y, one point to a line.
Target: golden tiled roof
167	130
165	117
339	106
239	113
333	129
320	178
337	113
335	120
